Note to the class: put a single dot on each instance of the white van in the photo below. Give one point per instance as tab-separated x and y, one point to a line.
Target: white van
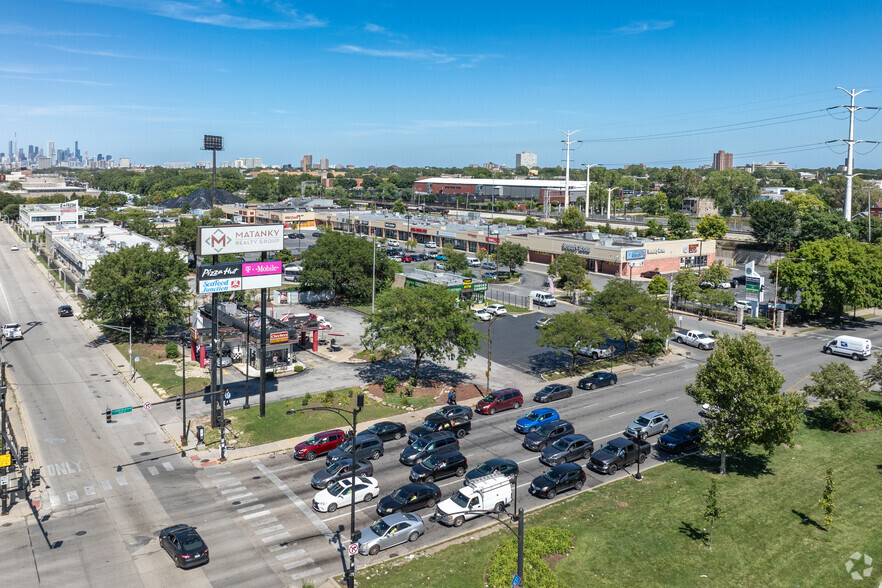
542	298
473	261
854	347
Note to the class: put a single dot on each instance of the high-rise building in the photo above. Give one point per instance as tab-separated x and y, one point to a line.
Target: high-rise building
323	163
526	159
50	152
77	150
306	162
722	160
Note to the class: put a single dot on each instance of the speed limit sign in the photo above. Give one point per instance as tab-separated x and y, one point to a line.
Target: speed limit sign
353	548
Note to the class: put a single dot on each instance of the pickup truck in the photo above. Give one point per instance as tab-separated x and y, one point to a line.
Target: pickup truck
694	338
619	453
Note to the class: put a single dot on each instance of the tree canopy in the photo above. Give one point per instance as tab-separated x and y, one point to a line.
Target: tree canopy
571	219
574	329
629	309
679	226
773	222
712	227
570	270
511	255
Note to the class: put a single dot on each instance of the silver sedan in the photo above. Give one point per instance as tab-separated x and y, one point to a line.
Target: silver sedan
390	531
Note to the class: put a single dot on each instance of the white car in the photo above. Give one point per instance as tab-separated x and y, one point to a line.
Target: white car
741	304
497	309
393	243
483	315
12	331
15	247
431	245
340	494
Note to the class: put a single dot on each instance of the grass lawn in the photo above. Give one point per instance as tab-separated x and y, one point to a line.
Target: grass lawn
160	375
654	532
276	425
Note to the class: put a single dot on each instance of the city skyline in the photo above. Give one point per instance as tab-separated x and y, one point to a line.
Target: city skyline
371	85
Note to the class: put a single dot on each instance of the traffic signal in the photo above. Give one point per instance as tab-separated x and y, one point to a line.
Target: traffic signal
23	454
178	403
35	477
107	415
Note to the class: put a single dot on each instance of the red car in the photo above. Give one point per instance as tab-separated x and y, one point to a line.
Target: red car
650	274
500	400
319	444
406	258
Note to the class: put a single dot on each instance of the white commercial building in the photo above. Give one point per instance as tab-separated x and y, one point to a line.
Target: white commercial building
35	217
526	159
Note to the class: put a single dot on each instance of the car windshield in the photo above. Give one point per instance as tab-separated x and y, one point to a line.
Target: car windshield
609	448
312	441
336	467
678	433
485	468
548	389
533	416
551	475
420	443
346	446
460	500
380	527
336	488
401	495
546	429
642	421
561	444
192	544
489	398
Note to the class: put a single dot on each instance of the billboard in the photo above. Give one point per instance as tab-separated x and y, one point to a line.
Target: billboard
239	239
753	286
635	254
229	277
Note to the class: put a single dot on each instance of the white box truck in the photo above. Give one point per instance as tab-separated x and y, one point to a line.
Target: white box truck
853	347
479	496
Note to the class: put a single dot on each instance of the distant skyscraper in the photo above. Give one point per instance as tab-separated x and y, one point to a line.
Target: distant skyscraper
526	159
77	150
306	162
50	152
323	163
722	160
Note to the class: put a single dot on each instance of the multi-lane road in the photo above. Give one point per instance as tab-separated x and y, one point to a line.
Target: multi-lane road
110	489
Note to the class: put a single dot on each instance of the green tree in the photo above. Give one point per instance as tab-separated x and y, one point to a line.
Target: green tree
685	285
717	298
456	261
573	330
570	270
399	207
804	202
678	226
630	310
343	264
512	255
828	499
712	511
139	288
712	227
716	273
680	183
216	213
184	235
657	286
841	392
730	189
571	219
654	228
773	222
284	255
288	185
740	382
410	244
819	225
263	188
531	222
426	320
873	376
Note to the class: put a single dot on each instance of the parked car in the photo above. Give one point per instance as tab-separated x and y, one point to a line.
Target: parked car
440	257
543	321
681	438
496	309
454	410
65	310
459	426
340	493
339	470
650	274
505	467
420	257
440	265
598	380
319	444
390	531
488	265
566	449
490	276
367	446
500	400
409	498
473	261
595	352
534	419
738	281
15	247
483	315
741	304
547	434
440	442
439	466
388	430
184	545
406	258
431	245
503	275
553	392
648	424
317	234
559	478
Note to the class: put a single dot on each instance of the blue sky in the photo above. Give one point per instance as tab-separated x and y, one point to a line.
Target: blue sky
447	83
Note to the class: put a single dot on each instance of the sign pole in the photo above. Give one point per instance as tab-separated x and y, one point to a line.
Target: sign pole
263	346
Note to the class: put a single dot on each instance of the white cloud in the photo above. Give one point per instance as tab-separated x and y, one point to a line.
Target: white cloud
374	28
57	80
413	55
90	52
635	28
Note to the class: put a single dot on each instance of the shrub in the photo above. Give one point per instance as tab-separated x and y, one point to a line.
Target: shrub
306	398
405	401
408	390
412	381
171	350
328	398
351	392
653	342
298	369
758	321
538	543
390	384
715	333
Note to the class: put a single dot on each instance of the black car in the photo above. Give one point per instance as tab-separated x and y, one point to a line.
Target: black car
453	410
438	466
738	280
388	430
548	433
409	498
339	470
435	422
566	449
681	438
65	310
557	479
506	467
553	392
598	380
367	446
317	234
184	545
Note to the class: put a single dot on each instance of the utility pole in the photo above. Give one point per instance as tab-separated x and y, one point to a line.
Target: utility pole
567	177
849	174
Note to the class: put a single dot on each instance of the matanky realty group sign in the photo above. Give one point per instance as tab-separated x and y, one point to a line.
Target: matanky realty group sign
239	239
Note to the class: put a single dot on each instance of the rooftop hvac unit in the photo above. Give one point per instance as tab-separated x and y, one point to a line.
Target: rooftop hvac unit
592	235
631	234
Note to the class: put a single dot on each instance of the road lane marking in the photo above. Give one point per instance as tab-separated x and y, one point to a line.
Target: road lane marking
278	537
226	483
669	399
644	391
297	564
248	500
54	500
304	508
238	496
153	471
218	474
312	572
72	495
615	415
266	530
254	515
137	475
90	490
121	480
251	508
239	488
106	485
168	467
290	554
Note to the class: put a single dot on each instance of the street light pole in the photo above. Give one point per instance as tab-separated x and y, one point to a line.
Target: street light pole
247	353
374	275
129	331
184	440
489	349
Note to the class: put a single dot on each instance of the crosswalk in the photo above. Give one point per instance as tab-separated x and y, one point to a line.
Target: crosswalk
106	485
265	526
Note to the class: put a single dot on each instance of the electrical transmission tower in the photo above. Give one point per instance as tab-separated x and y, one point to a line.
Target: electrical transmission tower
849	174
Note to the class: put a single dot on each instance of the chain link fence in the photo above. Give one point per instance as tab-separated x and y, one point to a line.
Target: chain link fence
507	298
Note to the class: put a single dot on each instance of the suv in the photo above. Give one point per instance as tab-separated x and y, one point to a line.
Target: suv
500	400
648	423
65	310
12	331
547	434
535	418
438	466
434	422
440	442
565	449
595	352
367	446
319	444
681	438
